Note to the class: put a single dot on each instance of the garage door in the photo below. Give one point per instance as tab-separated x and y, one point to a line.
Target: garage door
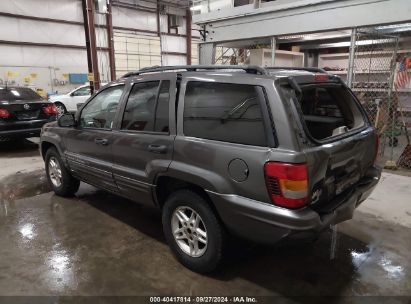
135	51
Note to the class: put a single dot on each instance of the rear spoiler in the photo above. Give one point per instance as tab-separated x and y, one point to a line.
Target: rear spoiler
295	81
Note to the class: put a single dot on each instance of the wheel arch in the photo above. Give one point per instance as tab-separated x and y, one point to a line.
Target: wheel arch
166	185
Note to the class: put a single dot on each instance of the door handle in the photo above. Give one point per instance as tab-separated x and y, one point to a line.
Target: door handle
157	149
101	141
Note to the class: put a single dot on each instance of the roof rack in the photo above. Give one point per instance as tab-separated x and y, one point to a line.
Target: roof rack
315	70
251	69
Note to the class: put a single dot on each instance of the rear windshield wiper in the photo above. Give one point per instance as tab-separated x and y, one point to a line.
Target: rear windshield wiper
296	87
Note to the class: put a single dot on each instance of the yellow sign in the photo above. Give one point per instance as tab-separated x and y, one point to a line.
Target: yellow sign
90	77
66	75
33	75
41	92
26	79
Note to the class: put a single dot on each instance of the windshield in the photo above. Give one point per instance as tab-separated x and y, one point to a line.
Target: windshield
14	94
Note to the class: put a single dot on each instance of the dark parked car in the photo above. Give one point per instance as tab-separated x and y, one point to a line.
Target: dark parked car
23	112
259	153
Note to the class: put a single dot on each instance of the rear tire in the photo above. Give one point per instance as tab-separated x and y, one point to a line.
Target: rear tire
59	178
193	231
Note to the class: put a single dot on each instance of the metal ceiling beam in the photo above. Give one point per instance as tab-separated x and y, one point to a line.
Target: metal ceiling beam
317	17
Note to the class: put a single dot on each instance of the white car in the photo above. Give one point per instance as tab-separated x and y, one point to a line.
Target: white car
68	102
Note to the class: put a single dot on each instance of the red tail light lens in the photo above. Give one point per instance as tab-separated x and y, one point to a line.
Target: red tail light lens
4	113
287	184
50	109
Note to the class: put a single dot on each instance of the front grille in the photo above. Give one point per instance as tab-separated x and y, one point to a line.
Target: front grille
273	186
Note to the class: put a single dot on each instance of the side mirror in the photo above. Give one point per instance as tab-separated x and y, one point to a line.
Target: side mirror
66	121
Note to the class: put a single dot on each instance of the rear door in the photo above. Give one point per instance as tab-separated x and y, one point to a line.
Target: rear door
224	133
89	145
143	139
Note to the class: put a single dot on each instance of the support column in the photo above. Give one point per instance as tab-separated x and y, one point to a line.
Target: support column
159	30
350	75
90	31
207	53
188	35
87	36
256	3
109	23
273	48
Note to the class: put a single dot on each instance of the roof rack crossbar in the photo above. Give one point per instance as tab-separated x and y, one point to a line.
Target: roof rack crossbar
315	70
251	69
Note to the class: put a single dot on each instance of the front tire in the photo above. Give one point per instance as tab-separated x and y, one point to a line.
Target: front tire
193	231
60	180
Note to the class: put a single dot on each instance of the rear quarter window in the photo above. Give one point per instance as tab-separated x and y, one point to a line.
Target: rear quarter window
224	112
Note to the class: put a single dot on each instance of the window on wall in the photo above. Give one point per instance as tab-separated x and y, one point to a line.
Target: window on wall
224	112
174	22
147	107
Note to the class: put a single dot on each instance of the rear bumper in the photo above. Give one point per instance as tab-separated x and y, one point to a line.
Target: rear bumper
266	223
22	128
20	133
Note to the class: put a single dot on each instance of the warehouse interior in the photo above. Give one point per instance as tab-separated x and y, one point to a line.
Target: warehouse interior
101	245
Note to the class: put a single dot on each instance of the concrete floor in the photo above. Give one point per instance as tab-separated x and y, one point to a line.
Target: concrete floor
100	244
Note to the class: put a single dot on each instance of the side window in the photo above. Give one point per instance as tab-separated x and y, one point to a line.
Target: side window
82	92
144	111
100	111
225	112
162	120
140	108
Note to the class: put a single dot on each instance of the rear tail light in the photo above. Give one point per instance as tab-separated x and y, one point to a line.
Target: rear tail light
50	109
287	184
4	113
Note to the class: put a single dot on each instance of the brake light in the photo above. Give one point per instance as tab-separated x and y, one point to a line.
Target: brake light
50	109
287	184
321	77
4	113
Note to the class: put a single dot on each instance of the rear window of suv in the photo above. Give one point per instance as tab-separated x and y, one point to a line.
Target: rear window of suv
328	110
224	112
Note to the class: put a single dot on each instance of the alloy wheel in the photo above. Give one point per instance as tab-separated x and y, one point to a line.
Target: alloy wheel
189	231
55	172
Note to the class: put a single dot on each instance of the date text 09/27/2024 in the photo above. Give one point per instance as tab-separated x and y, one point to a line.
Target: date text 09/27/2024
188	299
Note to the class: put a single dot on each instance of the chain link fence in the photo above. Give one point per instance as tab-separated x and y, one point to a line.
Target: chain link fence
376	82
375	79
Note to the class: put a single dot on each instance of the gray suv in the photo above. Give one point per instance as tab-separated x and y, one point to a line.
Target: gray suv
263	154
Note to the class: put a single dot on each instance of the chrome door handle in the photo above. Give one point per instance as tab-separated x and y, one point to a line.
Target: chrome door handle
161	149
101	141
